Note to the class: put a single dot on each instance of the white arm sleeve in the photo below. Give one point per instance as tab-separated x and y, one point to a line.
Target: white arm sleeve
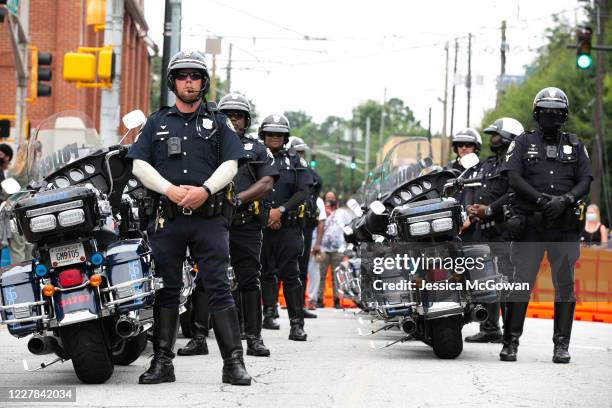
222	176
149	177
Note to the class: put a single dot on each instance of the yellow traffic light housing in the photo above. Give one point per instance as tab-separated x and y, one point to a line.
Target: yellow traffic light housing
106	63
79	67
88	71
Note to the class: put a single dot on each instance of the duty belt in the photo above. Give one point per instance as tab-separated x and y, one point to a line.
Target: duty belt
216	204
294	218
247	213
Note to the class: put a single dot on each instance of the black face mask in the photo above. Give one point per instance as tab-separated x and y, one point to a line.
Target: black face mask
550	122
332	203
496	148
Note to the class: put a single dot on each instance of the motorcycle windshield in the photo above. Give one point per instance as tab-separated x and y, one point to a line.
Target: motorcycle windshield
60	140
404	162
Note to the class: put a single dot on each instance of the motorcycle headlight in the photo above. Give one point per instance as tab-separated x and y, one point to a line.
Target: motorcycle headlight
71	217
419	228
43	223
442	224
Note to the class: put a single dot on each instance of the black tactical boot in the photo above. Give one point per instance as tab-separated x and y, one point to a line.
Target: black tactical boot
564	318
251	306
199	325
227	332
489	329
164	337
237	295
513	329
294	308
269	322
305	312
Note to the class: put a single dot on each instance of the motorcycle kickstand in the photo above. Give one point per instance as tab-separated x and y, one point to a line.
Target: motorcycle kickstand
400	340
384	328
42	365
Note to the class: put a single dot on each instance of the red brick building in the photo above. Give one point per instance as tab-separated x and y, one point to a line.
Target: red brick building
58	27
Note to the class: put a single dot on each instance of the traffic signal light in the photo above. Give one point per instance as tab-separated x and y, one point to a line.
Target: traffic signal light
40	73
353	165
583	48
90	67
313	161
5	128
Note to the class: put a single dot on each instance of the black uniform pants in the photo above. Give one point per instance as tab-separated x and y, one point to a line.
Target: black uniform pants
208	243
245	248
279	259
562	248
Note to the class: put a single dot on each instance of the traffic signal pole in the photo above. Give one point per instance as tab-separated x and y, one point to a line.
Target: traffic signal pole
18	30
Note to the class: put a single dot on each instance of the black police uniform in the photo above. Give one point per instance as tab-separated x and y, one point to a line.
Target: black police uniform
466	196
554	169
246	240
186	149
311	222
493	193
282	247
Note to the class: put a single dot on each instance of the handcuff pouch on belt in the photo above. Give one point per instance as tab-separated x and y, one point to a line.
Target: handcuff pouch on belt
294	218
253	211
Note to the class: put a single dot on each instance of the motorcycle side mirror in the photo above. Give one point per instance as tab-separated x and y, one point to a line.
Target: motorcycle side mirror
377	207
134	119
469	160
355	207
10	186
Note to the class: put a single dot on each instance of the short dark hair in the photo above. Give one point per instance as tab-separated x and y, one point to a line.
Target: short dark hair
7	150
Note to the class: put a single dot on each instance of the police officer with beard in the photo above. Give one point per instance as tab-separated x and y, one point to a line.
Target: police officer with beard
283	241
188	154
311	219
548	171
488	215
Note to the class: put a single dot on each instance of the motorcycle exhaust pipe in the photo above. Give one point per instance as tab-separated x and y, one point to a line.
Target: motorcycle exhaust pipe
40	345
408	325
126	327
479	314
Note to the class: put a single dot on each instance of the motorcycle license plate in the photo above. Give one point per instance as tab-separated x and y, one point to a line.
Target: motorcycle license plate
67	254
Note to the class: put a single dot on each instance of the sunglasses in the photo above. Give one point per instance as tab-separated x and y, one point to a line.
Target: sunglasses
461	144
236	115
194	76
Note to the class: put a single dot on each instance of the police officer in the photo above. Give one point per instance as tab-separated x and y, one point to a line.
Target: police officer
488	216
464	142
283	241
188	154
548	171
311	219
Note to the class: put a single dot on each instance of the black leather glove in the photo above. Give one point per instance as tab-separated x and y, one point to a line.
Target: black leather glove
543	199
555	207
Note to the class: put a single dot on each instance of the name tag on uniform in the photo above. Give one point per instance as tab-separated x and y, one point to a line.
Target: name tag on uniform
207	123
248	146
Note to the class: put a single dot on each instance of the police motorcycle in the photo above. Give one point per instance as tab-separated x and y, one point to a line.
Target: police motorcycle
88	293
408	241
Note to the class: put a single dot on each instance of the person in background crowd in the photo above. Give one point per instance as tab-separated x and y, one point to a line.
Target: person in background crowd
331	245
314	276
595	232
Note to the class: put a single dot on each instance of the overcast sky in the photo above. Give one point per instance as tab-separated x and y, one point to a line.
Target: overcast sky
358	48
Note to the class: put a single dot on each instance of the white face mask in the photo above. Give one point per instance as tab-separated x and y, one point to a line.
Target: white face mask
591	217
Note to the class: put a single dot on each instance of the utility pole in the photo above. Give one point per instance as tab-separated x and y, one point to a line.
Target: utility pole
172	45
110	105
597	144
213	80
352	179
503	62
228	85
382	123
452	129
367	148
444	142
19	42
339	176
469	79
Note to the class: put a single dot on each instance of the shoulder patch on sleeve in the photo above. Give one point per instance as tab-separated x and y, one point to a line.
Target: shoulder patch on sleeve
511	147
586	152
303	162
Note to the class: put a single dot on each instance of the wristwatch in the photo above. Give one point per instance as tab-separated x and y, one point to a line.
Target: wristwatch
237	201
489	211
282	209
